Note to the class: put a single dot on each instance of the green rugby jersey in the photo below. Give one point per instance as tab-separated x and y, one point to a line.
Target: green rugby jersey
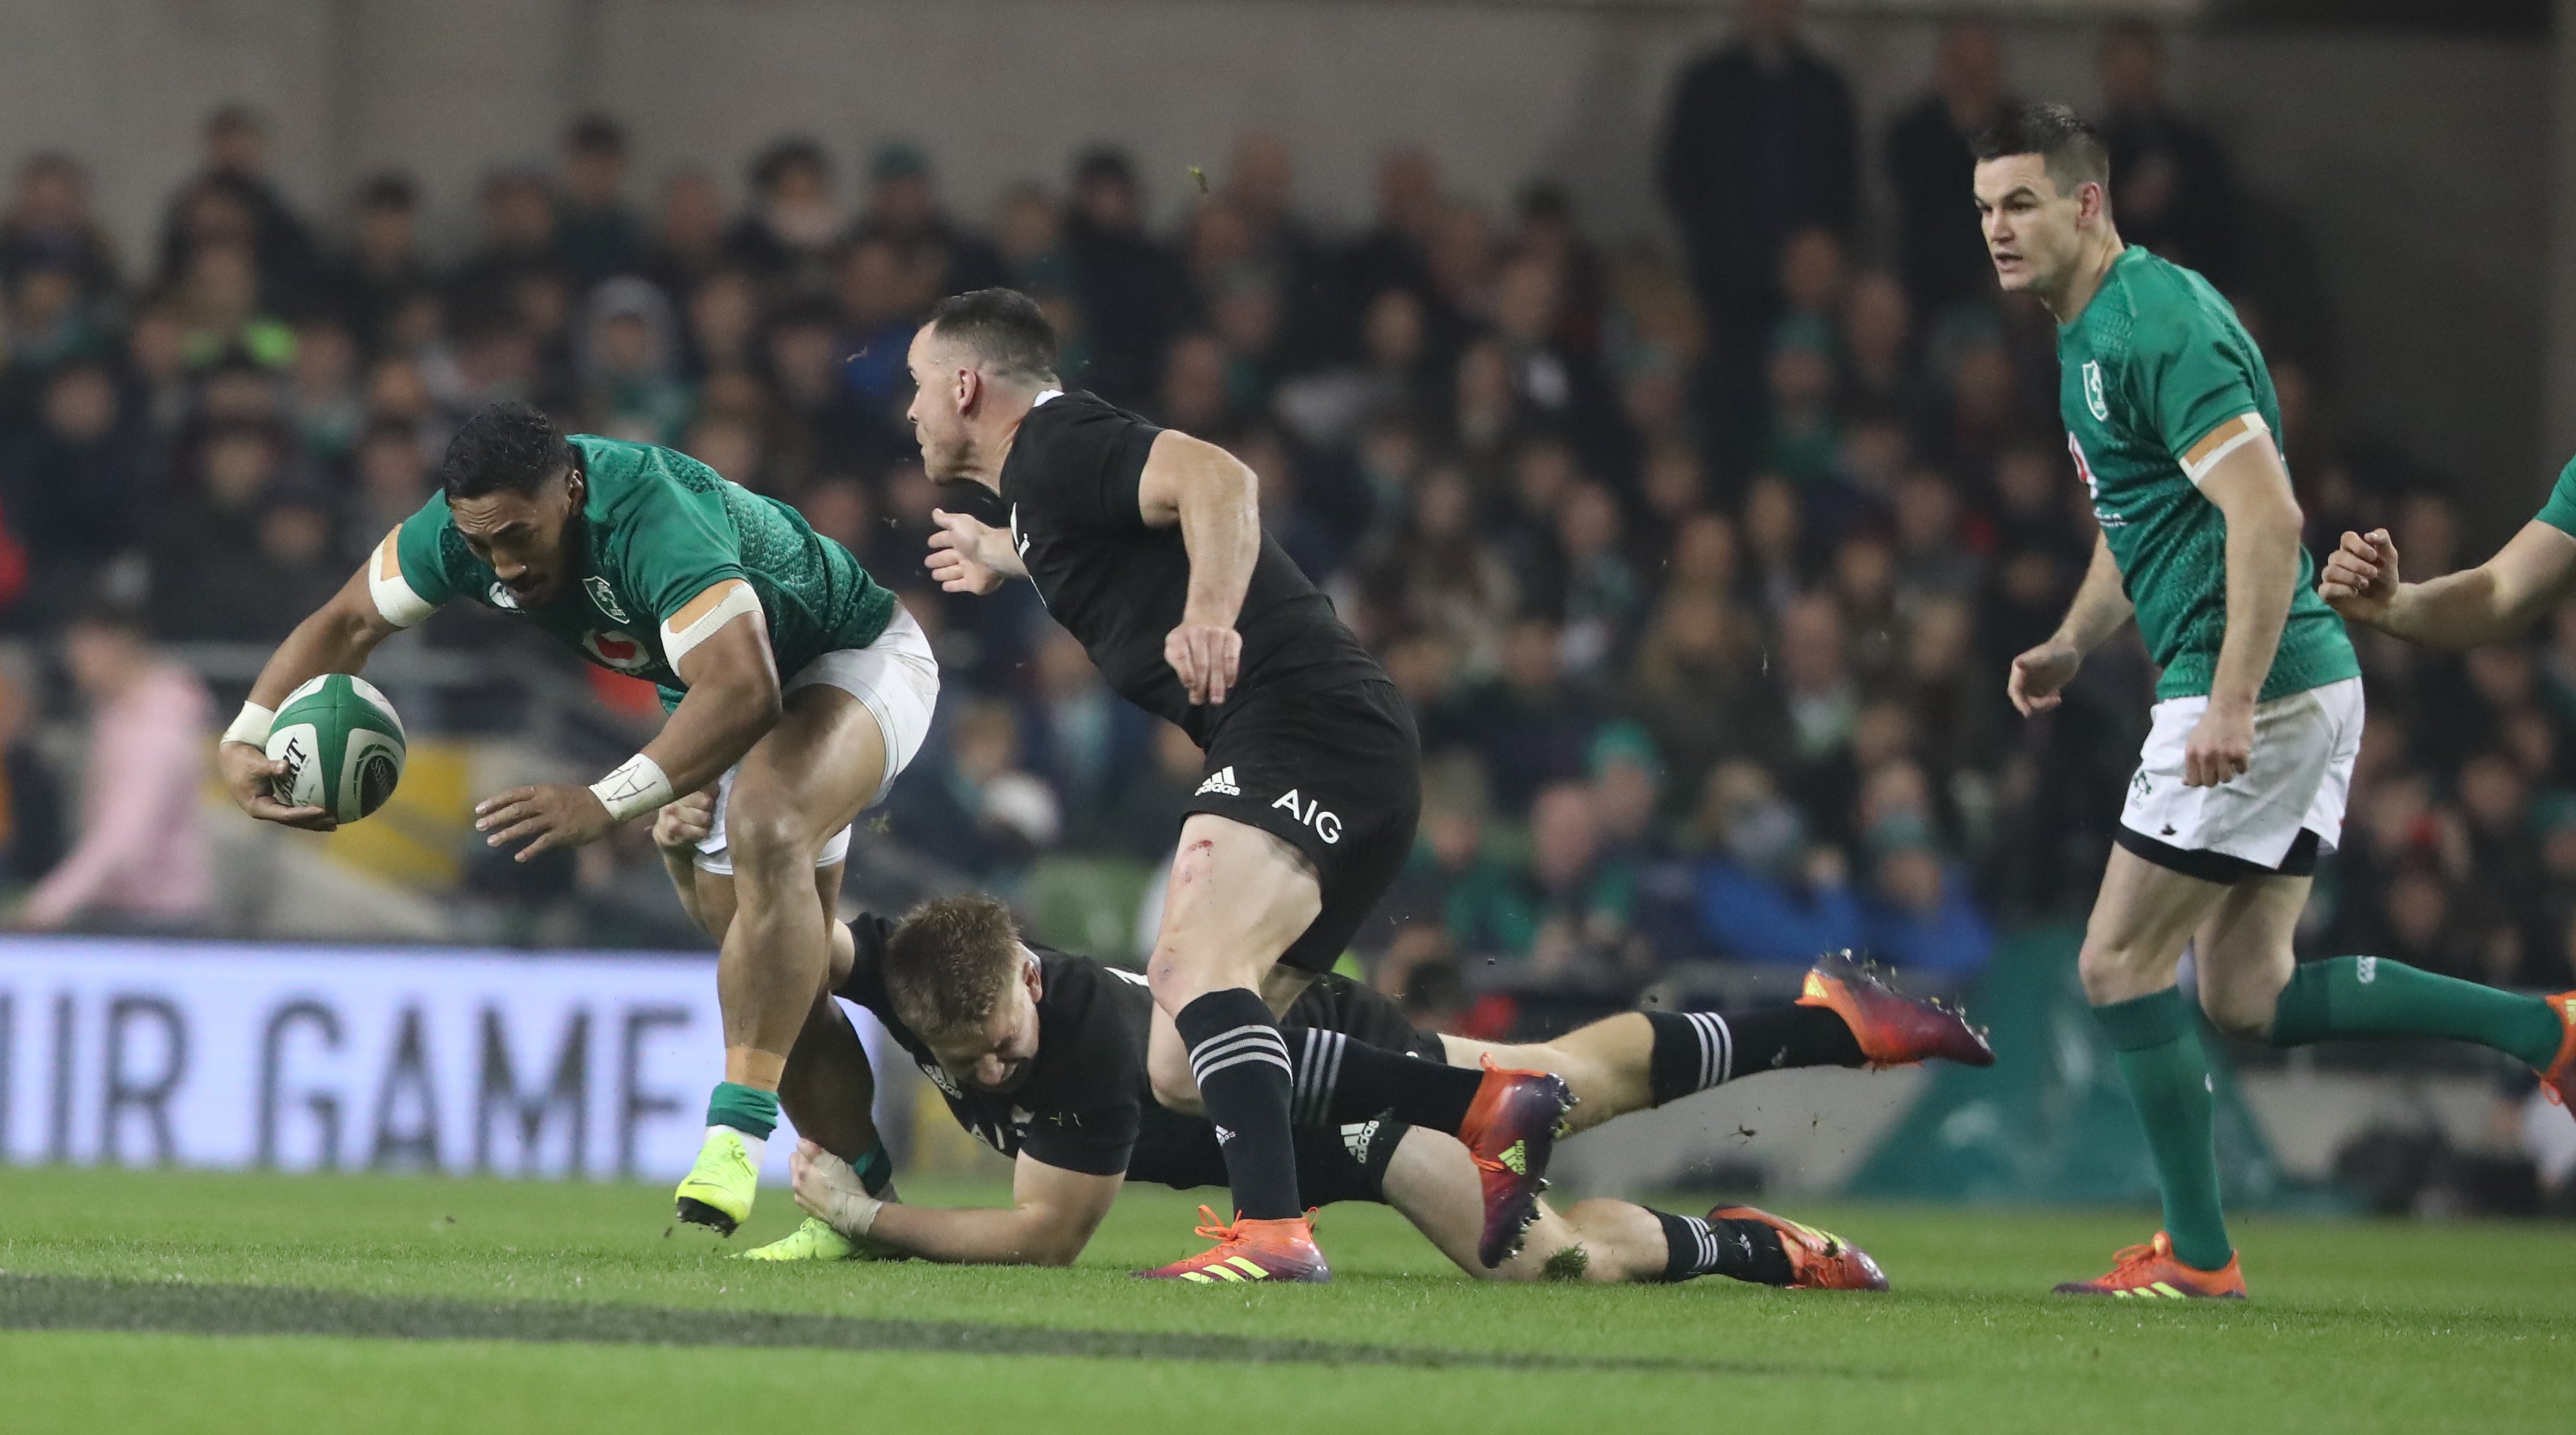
2155	378
658	529
2560	511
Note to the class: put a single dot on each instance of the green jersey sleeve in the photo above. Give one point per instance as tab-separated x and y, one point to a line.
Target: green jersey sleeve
2560	511
422	573
678	542
2189	375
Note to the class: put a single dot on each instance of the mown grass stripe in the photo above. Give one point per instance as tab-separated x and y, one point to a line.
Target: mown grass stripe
82	1303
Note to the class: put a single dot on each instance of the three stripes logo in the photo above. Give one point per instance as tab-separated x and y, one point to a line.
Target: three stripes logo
1233	1268
1221	782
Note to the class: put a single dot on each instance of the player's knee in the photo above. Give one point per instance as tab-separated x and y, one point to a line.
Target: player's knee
2242	1009
1174	1089
2113	971
771	847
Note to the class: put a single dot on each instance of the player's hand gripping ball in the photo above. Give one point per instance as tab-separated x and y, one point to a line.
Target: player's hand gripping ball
342	745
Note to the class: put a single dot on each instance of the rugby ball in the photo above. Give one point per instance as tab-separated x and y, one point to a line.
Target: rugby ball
342	745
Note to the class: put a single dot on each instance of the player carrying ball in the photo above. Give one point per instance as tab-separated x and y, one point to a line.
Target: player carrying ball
2170	416
1146	545
797	688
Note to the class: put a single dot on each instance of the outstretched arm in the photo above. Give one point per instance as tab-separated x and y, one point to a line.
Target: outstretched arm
1050	1219
2485	604
1216	501
337	638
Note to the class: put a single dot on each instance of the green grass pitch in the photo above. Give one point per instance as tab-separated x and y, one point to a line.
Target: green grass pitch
168	1302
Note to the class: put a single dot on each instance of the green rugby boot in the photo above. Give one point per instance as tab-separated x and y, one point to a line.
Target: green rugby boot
813	1241
718	1191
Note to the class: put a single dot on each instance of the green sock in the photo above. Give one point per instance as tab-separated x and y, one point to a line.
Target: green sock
2365	996
746	1109
2168	1078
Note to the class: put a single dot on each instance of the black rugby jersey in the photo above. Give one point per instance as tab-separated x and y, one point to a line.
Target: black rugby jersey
1079	1105
1069	489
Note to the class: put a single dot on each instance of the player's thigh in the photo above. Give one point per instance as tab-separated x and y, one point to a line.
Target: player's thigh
2142	919
1238	897
805	780
2243	952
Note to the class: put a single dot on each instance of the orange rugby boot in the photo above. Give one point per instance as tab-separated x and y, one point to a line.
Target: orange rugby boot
1511	1131
2150	1272
1250	1251
1893	1029
2559	1081
1818	1260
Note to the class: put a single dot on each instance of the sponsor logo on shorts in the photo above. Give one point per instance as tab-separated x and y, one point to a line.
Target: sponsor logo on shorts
604	596
1222	1134
1220	782
1311	814
2366	970
2141	784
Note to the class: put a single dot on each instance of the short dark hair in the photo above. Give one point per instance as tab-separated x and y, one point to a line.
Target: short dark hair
948	962
595	133
2064	140
509	447
1006	329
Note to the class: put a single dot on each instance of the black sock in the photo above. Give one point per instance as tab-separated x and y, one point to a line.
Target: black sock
1745	1250
1338	1079
1696	1050
1242	1071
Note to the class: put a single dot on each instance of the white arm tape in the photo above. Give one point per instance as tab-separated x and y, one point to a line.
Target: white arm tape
394	598
634	789
252	725
738	599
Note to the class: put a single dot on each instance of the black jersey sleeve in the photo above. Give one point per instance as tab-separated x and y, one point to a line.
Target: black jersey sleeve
1095	464
865	985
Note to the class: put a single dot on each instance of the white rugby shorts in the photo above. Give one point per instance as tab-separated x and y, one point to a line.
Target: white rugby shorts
896	679
2304	748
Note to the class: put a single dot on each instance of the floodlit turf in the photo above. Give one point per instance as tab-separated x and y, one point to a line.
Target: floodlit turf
392	1304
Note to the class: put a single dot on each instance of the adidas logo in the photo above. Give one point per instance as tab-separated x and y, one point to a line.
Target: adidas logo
1220	782
1516	1158
1222	1135
1356	1138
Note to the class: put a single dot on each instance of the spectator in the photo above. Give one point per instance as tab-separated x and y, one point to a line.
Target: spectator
1760	143
903	210
321	399
690	240
1530	727
140	863
2170	181
1764	895
598	235
74	488
629	356
1083	739
49	225
1941	247
785	239
1918	916
392	480
223	315
518	239
1395	253
1129	287
232	200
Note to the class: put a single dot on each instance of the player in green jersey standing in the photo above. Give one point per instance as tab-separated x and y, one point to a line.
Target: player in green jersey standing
797	689
2169	414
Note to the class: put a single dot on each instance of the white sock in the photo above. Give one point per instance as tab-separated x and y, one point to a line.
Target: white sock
752	1146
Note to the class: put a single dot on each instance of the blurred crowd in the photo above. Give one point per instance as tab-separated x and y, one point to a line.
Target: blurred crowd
1700	563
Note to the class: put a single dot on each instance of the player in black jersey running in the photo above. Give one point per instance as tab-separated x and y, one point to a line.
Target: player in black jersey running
1146	545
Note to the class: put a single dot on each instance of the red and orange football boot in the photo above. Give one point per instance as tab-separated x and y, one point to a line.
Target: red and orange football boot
1511	1131
2558	1083
1250	1251
2150	1272
1818	1260
1893	1029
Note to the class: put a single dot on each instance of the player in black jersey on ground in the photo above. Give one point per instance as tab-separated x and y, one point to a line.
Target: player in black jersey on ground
1146	544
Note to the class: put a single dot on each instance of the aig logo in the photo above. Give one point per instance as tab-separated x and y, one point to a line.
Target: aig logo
1310	814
